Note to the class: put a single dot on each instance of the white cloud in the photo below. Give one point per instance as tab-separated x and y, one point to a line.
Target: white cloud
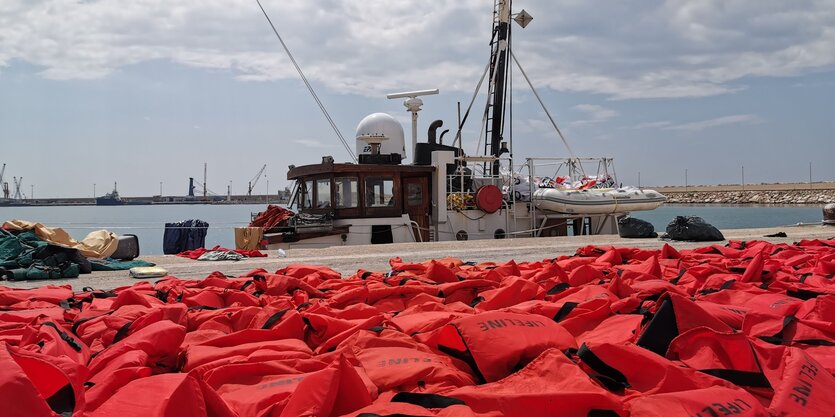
652	125
313	143
596	114
624	50
743	119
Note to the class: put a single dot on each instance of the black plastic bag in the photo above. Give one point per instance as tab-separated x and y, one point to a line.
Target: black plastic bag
631	227
694	229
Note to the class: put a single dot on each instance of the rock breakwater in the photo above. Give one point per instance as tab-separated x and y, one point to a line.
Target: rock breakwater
752	197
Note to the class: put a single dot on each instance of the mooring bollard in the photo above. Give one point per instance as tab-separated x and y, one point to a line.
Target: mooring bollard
829	214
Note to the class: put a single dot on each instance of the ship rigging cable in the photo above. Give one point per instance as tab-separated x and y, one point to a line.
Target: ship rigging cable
547	113
309	87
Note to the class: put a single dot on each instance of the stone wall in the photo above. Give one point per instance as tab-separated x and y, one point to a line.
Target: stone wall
817	197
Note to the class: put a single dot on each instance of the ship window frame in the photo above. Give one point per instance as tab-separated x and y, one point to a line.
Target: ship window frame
307	190
393	210
387	184
319	193
354	187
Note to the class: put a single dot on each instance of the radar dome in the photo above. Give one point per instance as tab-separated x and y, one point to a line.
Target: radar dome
381	124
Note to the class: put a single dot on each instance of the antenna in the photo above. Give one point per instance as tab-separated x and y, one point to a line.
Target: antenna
204	179
413	106
412	94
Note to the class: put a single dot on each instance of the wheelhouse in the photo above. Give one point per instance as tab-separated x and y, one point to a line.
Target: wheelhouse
359	190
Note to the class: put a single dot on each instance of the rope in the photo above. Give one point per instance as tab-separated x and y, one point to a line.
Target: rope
470	107
553	123
309	87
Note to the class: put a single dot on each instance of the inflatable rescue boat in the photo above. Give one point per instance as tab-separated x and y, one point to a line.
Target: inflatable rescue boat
597	201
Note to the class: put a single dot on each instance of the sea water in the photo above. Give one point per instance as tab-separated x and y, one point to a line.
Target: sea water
734	216
147	222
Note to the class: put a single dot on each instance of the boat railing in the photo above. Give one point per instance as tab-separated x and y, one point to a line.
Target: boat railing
573	169
412	226
469	176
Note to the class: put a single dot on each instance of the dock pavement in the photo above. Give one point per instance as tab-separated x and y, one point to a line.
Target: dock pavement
348	259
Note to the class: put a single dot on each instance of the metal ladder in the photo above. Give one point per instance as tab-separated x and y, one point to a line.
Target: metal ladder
494	53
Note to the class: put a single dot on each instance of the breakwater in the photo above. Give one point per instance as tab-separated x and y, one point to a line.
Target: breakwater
817	197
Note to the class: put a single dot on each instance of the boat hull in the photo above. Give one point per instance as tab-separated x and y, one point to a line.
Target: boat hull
597	201
104	201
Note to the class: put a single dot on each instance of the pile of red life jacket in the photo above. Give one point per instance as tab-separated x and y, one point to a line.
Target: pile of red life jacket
744	329
273	216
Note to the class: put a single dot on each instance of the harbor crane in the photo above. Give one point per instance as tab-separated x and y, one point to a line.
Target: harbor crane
255	179
17	184
206	191
5	185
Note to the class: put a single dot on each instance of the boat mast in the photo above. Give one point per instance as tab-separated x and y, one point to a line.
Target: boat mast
498	75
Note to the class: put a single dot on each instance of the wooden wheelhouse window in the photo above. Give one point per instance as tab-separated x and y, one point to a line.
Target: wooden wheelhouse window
379	192
414	194
346	194
307	194
323	193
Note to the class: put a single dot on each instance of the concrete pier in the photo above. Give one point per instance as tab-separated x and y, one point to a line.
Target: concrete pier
348	259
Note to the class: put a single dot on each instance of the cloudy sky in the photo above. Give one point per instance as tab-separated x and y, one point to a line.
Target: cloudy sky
146	91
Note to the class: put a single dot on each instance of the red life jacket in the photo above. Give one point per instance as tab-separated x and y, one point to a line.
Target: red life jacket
33	384
396	410
246	345
417	320
53	339
312	274
629	369
619	328
790	330
802	386
410	369
513	290
407	404
675	315
549	385
706	402
395	361
104	384
497	343
325	332
276	284
438	272
727	355
160	341
262	390
464	291
575	316
165	395
790	380
49	293
729	314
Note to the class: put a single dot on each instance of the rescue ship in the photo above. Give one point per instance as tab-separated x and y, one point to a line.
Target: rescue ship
444	194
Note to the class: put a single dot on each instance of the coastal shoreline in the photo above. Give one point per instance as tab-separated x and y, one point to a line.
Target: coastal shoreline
816	193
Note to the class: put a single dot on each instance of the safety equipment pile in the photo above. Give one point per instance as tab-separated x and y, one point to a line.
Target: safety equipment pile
744	329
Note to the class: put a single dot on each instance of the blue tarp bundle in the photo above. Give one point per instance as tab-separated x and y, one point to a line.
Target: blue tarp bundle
183	236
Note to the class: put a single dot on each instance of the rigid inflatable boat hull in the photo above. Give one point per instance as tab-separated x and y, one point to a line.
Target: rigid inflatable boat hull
597	201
